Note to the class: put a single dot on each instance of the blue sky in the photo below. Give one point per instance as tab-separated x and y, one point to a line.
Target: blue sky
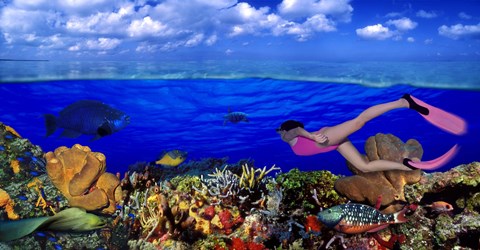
229	29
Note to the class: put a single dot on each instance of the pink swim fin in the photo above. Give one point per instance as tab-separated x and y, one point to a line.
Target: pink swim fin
440	118
433	164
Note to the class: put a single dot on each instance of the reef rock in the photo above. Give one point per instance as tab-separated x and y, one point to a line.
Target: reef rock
367	187
80	175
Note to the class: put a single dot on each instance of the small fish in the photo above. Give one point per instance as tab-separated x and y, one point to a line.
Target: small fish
131	215
440	207
353	218
34	173
172	158
2	148
22	197
58	247
41	234
87	117
52	239
235	117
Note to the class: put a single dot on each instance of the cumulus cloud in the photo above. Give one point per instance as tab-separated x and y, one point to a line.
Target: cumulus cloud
377	32
402	24
459	31
339	10
410	39
150	26
426	14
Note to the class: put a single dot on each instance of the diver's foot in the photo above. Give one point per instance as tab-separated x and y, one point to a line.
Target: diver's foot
438	117
413	105
433	164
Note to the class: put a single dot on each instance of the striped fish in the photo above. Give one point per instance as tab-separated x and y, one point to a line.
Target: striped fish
235	117
353	218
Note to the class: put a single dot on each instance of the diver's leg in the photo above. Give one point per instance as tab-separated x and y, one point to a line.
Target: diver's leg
351	154
339	133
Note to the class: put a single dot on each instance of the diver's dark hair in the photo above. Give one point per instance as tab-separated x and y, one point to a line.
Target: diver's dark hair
290	124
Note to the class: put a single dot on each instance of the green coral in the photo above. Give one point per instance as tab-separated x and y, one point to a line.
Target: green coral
299	189
184	183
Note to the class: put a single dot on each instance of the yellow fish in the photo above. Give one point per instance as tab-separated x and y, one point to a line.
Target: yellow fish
172	158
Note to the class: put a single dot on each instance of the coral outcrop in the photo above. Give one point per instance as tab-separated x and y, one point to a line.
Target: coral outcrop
8	204
367	187
80	175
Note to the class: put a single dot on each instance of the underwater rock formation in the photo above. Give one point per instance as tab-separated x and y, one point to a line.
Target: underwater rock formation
367	187
80	175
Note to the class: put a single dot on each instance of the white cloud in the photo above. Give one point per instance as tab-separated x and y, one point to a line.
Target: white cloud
338	10
102	43
150	26
146	27
464	15
459	31
426	14
410	39
377	32
402	24
428	41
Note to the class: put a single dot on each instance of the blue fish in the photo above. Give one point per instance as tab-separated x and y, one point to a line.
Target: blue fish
22	197
58	247
34	173
235	117
2	148
87	117
41	234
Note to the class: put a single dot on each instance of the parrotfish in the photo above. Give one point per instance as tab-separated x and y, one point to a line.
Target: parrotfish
87	117
353	218
235	117
172	158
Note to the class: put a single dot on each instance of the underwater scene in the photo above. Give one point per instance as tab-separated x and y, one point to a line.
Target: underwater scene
239	125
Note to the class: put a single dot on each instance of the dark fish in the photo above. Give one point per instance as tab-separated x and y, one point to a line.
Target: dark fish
353	218
87	117
235	117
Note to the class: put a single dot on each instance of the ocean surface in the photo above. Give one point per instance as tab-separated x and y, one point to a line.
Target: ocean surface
181	105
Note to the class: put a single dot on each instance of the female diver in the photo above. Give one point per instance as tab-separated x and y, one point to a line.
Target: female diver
329	138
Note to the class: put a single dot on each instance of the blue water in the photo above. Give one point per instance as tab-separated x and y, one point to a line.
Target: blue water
187	114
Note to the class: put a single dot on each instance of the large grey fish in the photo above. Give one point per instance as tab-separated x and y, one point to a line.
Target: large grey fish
87	117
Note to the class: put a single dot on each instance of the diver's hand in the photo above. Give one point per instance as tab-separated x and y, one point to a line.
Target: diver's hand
320	138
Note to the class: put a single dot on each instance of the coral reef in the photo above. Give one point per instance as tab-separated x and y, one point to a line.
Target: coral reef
389	185
235	207
80	175
19	159
299	190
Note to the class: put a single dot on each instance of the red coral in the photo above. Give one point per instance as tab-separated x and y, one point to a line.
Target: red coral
239	244
209	213
227	222
312	224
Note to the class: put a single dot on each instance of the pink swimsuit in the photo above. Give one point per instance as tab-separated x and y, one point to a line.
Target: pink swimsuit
305	146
